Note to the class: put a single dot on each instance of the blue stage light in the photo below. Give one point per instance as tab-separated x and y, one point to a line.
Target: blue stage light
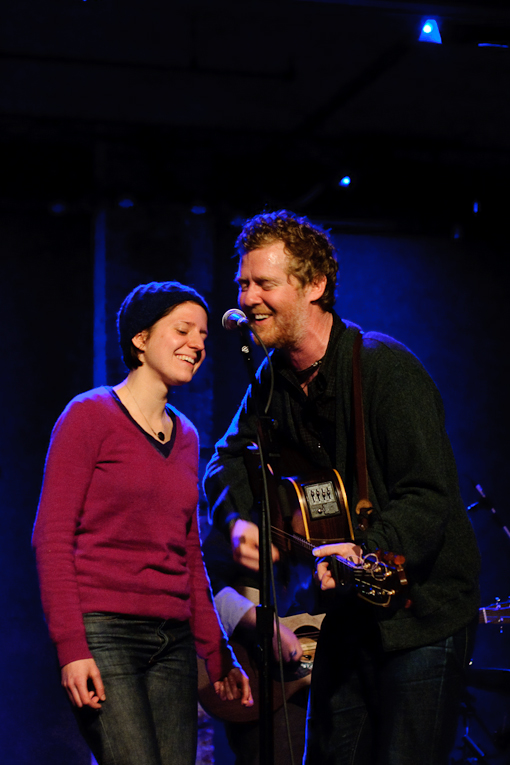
198	210
126	203
430	32
345	181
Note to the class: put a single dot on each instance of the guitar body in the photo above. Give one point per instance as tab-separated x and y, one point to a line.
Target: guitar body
305	502
319	511
307	628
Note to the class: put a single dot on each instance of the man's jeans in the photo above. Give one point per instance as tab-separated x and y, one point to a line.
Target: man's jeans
368	707
149	671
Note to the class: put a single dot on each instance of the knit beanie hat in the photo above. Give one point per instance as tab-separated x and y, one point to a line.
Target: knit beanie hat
146	304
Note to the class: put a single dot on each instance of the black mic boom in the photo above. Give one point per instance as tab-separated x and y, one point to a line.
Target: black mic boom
234	318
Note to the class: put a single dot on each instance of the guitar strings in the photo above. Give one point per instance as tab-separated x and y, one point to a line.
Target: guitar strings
284	535
309	546
314	634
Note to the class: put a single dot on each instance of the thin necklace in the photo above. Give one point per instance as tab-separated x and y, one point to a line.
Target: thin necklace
159	435
304	374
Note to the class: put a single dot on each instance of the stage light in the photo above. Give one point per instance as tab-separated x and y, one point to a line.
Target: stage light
126	203
345	181
198	210
475	207
430	32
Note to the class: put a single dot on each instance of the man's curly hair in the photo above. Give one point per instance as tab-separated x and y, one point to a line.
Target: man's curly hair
310	249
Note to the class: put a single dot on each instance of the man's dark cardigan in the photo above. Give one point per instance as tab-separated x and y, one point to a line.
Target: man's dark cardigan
413	483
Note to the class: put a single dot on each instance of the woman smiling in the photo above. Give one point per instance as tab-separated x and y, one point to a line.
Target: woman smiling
118	552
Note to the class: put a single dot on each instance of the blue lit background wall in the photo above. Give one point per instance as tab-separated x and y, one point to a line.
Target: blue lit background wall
445	299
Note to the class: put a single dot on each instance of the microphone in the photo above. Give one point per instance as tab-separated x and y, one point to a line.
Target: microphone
234	319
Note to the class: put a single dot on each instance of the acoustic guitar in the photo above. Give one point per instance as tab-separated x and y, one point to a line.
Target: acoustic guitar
310	511
307	628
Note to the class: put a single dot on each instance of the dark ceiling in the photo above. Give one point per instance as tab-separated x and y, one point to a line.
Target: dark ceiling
243	104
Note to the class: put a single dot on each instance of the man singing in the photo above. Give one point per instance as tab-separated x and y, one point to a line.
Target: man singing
386	682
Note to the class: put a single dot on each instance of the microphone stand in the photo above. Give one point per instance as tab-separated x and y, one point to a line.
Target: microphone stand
485	502
265	611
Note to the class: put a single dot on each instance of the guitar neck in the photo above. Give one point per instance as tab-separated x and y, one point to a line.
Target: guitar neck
298	544
495	614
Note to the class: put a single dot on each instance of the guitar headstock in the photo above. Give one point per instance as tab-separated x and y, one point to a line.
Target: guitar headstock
497	613
382	577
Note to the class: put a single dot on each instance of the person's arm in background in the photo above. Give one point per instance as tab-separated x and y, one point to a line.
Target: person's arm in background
239	618
227	485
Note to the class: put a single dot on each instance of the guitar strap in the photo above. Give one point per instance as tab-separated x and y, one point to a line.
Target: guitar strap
364	506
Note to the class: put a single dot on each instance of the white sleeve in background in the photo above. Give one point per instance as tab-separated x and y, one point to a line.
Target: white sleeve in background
231	608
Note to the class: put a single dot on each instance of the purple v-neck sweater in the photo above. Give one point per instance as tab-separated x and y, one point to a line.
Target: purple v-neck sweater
117	530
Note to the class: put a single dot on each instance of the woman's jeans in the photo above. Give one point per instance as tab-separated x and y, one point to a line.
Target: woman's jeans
149	672
369	707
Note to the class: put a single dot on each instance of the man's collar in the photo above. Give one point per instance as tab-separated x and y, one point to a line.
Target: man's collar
282	365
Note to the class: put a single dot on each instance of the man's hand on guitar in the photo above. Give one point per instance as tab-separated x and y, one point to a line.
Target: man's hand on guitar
351	552
235	686
244	537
